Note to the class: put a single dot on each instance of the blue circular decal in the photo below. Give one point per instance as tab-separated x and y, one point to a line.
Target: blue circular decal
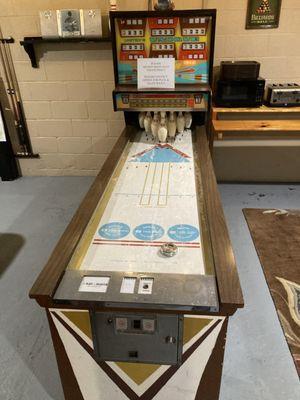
114	230
183	233
148	232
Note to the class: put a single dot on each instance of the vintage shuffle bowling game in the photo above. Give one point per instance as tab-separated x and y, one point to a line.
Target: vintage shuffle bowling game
140	287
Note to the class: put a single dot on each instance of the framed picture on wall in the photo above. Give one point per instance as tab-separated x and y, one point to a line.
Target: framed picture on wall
69	24
263	14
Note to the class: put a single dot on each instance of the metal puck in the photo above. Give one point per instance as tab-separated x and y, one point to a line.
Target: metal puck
169	249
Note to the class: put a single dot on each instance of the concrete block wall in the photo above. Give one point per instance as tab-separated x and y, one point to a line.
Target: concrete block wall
68	102
277	50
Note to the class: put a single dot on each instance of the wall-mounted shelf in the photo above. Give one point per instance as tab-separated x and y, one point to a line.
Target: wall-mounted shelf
256	123
30	42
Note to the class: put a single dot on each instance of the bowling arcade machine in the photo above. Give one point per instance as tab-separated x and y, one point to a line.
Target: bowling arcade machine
140	287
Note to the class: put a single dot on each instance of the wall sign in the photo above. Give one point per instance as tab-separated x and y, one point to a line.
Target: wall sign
263	14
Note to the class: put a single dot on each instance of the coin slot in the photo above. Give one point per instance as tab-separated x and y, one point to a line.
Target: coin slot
145	285
133	354
137	324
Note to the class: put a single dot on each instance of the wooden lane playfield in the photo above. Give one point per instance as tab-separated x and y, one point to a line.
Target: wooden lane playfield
151	200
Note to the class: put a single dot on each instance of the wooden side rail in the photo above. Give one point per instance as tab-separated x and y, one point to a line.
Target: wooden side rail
229	288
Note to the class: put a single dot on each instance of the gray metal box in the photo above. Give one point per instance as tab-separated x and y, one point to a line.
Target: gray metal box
48	22
91	23
139	338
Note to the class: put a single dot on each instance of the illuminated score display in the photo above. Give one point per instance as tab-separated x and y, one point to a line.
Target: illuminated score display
150	101
187	39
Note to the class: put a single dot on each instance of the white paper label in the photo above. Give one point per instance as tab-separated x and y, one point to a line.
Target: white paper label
145	286
128	285
94	284
2	131
156	73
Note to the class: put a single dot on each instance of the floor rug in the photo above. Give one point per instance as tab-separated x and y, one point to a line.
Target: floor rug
276	236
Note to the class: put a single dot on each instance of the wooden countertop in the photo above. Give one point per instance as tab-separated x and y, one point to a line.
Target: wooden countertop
262	109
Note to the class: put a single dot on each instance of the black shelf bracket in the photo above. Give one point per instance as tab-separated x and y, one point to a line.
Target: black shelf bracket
30	42
30	50
7	40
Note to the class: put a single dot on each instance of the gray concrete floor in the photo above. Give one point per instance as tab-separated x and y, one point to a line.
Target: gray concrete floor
34	213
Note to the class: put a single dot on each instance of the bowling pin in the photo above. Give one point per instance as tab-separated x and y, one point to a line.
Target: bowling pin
172	125
155	125
162	133
188	119
163	116
156	116
180	122
147	122
167	119
142	116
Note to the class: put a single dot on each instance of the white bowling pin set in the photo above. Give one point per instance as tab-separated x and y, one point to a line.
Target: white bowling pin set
162	125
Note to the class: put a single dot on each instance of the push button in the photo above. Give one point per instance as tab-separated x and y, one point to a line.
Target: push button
121	324
148	325
133	354
170	340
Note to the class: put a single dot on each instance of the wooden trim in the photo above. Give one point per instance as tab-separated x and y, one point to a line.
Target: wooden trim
214	113
256	136
253	125
48	280
229	288
262	109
